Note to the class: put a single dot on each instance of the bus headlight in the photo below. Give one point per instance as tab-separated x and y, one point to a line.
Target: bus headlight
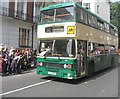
65	66
39	64
69	66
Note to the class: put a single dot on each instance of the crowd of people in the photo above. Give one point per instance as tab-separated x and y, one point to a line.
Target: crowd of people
16	60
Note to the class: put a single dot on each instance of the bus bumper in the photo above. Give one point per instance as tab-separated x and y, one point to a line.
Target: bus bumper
60	73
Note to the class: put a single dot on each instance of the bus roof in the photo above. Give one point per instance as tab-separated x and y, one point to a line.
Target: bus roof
65	4
59	5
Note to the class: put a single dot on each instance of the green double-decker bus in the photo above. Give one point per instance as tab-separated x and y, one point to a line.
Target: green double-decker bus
74	42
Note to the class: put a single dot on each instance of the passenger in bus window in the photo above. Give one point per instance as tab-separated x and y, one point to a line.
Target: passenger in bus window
102	51
92	52
98	51
112	49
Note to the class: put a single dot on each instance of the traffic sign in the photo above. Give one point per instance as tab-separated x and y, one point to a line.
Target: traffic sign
70	29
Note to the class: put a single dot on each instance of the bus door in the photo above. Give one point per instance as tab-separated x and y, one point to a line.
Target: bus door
81	57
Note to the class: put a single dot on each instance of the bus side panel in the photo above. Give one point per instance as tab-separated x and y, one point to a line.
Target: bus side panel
104	61
99	62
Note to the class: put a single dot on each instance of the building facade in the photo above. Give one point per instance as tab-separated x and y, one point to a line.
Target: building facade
17	25
99	7
19	19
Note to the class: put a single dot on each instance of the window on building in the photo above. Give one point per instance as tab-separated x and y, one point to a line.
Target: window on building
37	14
87	6
98	9
24	37
4	8
79	2
20	9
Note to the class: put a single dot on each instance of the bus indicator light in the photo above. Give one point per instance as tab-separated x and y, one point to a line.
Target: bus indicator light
40	64
67	66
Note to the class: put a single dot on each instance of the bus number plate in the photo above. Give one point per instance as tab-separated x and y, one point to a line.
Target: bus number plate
52	73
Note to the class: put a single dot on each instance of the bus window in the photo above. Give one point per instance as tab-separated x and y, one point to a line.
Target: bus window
92	20
54	29
101	48
92	48
107	49
112	49
64	48
89	19
63	14
79	15
108	29
59	14
100	25
45	48
85	17
116	32
112	30
47	16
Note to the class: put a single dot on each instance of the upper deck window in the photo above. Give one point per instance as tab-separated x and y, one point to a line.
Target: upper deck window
112	30
56	15
47	16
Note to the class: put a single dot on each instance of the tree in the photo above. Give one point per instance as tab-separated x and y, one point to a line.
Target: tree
115	17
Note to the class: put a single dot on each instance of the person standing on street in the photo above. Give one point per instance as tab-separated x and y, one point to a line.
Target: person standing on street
4	68
14	63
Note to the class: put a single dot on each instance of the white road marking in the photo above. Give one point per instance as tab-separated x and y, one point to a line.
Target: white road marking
16	75
25	87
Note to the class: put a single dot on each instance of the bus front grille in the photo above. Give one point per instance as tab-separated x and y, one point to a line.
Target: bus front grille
52	65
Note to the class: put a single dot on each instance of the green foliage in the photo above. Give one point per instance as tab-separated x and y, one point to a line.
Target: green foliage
115	16
114	13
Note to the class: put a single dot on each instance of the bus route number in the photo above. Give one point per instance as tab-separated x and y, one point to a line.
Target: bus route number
70	29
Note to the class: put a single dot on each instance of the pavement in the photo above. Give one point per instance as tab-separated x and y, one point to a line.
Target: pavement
30	70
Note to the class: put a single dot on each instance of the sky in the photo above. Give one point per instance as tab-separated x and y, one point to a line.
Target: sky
115	0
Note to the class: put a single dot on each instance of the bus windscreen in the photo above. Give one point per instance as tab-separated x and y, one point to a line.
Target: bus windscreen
64	48
58	48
